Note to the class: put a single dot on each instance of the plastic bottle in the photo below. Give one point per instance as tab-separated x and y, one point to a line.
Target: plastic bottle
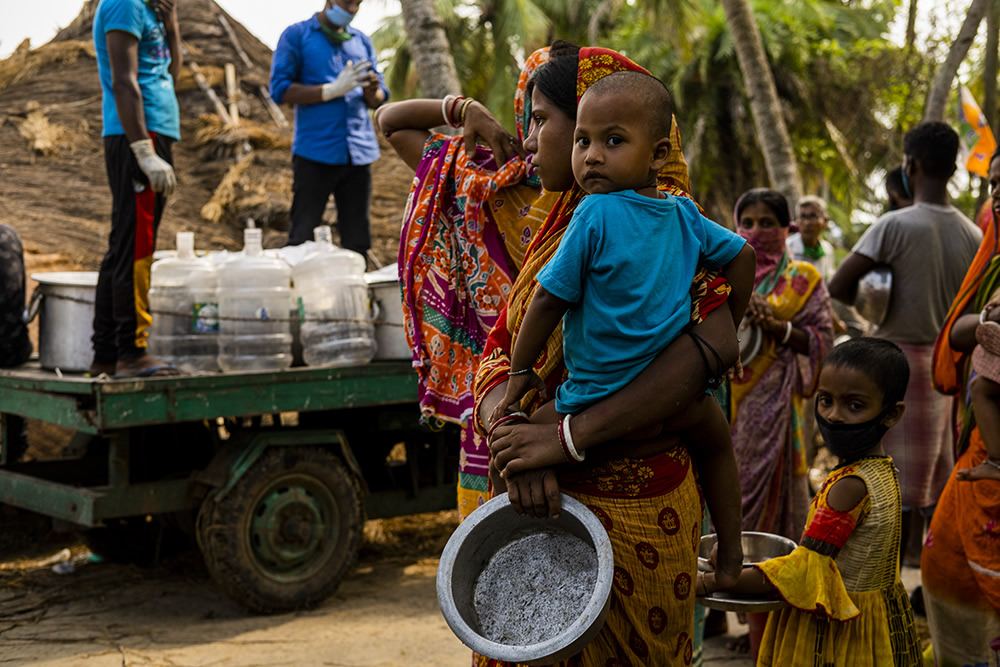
254	304
185	310
333	305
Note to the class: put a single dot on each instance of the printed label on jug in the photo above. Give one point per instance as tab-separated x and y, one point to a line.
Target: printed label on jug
206	318
302	309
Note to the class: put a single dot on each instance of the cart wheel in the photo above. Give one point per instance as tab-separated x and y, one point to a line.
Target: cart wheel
137	539
286	533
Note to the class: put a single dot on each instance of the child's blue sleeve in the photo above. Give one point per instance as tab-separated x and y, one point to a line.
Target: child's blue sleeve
719	246
565	273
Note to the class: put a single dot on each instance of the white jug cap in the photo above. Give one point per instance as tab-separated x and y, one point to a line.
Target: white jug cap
322	234
185	244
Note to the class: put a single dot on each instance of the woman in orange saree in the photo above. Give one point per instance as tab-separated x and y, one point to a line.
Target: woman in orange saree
960	562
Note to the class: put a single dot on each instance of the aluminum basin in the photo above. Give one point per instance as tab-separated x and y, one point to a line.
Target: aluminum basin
482	534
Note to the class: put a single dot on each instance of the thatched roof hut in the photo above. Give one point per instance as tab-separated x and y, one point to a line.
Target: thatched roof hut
53	186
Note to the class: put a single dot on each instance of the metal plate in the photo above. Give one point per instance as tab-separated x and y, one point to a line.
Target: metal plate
740	603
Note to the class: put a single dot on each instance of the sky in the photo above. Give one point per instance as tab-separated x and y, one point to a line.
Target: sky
264	18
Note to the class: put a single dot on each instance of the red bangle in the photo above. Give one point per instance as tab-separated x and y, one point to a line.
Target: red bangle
519	417
451	112
562	443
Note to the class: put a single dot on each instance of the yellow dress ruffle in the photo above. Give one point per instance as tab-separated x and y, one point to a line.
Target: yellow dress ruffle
810	582
848	608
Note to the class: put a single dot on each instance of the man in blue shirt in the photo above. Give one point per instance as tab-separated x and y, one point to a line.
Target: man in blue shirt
327	70
138	48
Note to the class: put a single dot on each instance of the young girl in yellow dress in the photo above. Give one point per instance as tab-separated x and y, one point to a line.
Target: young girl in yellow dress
846	603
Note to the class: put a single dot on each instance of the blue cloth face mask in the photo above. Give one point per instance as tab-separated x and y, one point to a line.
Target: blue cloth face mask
906	184
339	16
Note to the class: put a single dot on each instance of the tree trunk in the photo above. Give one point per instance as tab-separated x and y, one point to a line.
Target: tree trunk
772	134
911	26
990	83
937	97
990	64
429	49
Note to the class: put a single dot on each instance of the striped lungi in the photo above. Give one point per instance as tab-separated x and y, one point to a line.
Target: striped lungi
921	443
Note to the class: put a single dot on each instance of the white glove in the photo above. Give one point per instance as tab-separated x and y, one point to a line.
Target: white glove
349	78
160	173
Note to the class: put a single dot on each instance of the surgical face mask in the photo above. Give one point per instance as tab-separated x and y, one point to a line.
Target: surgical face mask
906	184
851	441
339	16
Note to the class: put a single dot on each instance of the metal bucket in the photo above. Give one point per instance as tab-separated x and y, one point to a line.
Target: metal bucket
64	302
389	333
482	534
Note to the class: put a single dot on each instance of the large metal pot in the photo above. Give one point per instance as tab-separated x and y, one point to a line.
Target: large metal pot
389	333
64	302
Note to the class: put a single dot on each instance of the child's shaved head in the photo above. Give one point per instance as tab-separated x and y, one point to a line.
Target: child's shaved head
644	90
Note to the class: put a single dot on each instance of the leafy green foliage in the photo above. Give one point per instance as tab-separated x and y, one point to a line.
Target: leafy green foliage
847	92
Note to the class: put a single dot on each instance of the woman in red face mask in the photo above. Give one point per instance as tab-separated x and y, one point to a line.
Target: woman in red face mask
792	306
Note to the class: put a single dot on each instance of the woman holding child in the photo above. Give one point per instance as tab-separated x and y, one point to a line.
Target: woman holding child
673	379
960	562
637	478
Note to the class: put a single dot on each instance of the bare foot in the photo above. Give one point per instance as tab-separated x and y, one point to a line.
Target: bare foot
741	644
146	365
97	369
985	470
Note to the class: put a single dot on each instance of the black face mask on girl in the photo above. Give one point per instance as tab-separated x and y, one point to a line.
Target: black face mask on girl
851	441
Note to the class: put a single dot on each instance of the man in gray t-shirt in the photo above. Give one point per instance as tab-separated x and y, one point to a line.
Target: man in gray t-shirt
929	247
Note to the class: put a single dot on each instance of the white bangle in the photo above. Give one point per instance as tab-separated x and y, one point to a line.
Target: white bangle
448	99
788	333
577	456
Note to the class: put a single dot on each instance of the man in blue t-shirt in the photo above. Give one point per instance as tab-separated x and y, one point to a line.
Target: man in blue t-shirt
327	70
137	43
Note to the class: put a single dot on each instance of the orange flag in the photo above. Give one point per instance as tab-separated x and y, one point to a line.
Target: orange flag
977	142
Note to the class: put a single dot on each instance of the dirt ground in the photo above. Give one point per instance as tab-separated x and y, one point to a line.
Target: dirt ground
109	615
171	614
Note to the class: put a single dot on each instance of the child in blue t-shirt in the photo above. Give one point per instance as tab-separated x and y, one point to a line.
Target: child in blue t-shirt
620	279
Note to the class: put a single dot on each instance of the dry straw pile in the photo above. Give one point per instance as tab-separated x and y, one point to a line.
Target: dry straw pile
25	61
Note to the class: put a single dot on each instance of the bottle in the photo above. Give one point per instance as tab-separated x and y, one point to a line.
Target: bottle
185	310
333	305
254	303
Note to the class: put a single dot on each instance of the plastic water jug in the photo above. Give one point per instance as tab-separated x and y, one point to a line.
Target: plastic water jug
254	304
333	305
184	305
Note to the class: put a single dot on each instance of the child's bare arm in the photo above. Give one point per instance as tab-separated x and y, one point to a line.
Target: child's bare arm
751	581
740	274
543	316
711	449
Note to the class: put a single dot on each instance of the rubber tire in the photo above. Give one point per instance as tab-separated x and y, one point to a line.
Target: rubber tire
224	533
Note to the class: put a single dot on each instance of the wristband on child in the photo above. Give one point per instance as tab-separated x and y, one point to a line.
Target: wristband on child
788	333
566	441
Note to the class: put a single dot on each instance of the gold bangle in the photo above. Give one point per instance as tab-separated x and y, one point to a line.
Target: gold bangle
465	107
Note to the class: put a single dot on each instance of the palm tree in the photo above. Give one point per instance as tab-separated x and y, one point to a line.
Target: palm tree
429	49
768	117
937	97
